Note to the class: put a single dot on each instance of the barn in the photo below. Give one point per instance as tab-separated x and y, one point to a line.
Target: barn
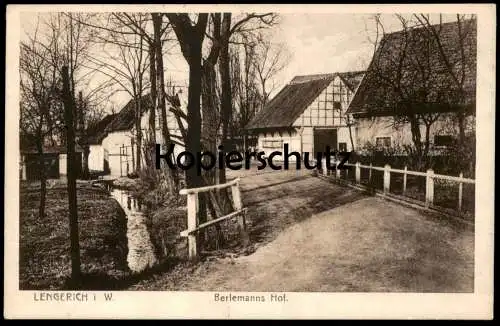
426	86
55	159
118	141
98	156
308	114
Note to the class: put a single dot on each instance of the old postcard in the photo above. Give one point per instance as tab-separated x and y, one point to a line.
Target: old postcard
249	161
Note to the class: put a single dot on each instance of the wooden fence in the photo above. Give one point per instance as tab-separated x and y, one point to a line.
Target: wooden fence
193	225
429	175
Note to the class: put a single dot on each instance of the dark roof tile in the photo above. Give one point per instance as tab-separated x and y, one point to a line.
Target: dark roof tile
377	95
294	98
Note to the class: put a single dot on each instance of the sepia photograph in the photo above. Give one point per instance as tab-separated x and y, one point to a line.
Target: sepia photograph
249	157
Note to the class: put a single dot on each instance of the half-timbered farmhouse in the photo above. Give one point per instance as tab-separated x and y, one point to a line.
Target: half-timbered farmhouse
308	114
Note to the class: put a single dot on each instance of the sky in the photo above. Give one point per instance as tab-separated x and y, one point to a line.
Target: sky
318	43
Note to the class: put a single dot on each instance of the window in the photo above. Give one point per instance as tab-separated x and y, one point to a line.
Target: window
342	147
272	143
383	142
443	140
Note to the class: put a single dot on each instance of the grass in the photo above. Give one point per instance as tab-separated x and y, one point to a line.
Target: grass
44	261
445	192
373	246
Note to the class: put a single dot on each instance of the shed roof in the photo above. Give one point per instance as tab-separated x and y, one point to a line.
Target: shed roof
50	149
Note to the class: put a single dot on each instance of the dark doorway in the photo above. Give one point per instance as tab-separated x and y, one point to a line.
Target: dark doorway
323	138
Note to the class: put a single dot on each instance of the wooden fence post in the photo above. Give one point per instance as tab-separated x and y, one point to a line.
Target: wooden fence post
387	178
460	193
370	175
404	180
323	166
238	205
358	173
429	188
121	168
192	210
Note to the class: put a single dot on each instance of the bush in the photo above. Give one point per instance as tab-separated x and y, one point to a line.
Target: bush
149	178
165	211
165	227
451	161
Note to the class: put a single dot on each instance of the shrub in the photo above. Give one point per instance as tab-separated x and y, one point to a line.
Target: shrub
165	211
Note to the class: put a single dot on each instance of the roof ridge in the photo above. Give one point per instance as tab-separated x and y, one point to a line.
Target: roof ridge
420	26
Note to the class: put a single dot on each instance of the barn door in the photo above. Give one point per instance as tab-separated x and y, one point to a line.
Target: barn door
323	138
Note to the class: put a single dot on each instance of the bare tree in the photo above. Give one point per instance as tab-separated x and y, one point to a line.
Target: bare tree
124	60
69	110
457	63
190	35
407	66
244	28
57	40
256	61
270	59
41	110
69	43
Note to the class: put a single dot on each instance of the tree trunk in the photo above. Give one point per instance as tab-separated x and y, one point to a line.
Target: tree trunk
171	176
71	174
152	113
461	129
81	129
193	144
43	178
416	135
209	115
427	139
349	125
226	96
86	153
138	132
210	128
132	144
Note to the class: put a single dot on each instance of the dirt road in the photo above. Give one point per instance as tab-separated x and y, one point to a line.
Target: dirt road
356	244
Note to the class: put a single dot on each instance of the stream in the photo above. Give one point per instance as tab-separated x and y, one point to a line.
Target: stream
141	253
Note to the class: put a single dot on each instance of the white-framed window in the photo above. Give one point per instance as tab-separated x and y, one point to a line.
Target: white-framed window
383	142
272	143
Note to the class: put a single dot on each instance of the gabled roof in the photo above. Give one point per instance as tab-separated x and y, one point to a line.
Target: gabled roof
378	94
96	133
124	120
352	79
294	98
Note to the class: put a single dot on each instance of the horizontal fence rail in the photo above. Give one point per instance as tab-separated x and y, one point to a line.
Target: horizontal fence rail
193	225
387	171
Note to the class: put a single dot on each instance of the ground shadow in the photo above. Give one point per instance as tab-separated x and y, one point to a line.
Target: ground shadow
105	282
